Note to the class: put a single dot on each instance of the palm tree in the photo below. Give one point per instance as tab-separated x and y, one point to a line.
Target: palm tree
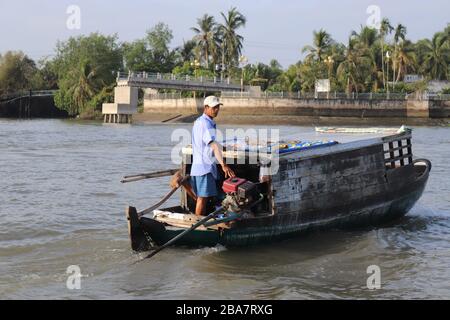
322	42
205	37
435	56
85	85
399	34
405	59
351	69
385	29
366	37
231	42
365	43
186	51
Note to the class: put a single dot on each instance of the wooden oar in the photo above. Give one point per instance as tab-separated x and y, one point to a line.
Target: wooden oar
163	200
195	226
150	175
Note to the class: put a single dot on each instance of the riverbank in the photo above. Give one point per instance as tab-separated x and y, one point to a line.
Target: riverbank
154	118
360	108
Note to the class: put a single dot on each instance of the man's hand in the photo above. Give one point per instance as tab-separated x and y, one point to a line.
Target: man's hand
217	149
176	180
228	172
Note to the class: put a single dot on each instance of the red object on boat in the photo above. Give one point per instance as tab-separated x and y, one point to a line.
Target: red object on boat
232	184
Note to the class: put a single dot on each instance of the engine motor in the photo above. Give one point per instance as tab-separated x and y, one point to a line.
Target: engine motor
240	193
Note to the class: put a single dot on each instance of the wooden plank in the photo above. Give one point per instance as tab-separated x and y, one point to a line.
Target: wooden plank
330	164
188	221
283	195
325	183
400	183
326	201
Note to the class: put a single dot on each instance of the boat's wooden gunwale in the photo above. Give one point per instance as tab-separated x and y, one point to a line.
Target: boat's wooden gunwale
343	147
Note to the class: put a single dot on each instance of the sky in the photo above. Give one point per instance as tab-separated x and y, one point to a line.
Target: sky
275	29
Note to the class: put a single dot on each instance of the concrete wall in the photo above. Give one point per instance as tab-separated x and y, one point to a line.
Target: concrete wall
125	101
439	109
417	108
302	107
118	108
126	95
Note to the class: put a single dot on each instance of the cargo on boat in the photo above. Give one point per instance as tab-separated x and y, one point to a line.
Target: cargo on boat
316	186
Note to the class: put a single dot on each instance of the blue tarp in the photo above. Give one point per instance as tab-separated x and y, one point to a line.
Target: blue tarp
282	147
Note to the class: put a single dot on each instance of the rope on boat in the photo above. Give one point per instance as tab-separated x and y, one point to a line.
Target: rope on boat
163	200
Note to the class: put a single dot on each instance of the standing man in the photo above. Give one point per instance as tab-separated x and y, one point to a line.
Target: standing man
206	153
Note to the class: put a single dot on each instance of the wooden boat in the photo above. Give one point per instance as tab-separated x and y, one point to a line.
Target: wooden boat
355	184
358	130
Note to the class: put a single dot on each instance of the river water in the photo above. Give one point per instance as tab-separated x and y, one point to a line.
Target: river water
61	204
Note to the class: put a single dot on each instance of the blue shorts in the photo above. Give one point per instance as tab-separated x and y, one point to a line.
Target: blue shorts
204	186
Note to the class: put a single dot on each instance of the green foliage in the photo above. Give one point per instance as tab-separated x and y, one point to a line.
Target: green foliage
434	56
446	91
206	40
152	53
84	66
106	95
185	69
403	87
186	52
261	74
322	42
310	72
219	43
136	56
17	72
230	40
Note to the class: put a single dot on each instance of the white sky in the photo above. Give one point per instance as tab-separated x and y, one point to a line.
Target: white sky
275	29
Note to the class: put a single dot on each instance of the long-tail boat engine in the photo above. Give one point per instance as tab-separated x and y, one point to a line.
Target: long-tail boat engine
240	194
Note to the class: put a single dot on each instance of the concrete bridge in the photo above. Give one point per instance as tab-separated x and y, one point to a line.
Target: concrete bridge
177	82
126	91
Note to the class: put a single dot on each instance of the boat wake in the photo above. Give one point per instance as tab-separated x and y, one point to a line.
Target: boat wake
210	250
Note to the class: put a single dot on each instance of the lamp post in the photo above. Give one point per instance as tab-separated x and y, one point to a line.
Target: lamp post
388	56
195	64
330	62
243	60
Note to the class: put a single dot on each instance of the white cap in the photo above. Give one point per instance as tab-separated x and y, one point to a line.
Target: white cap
212	101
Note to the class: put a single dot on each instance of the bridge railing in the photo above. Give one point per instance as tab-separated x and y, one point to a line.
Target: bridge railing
335	95
170	77
27	93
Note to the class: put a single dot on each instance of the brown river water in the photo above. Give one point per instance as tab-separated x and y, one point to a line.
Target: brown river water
61	204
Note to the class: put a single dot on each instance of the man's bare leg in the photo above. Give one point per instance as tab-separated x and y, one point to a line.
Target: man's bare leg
190	192
200	208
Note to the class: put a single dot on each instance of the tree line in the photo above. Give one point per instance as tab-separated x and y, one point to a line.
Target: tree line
83	69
